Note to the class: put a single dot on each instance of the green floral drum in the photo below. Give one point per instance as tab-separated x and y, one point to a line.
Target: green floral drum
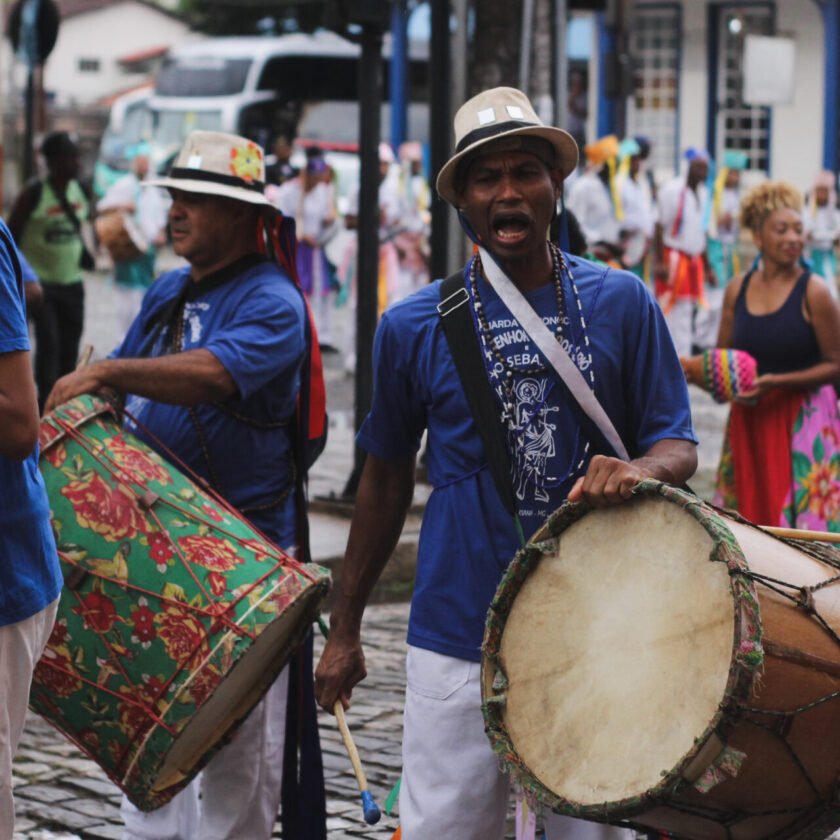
176	614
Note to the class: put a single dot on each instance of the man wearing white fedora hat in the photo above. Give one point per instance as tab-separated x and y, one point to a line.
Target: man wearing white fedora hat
219	353
505	180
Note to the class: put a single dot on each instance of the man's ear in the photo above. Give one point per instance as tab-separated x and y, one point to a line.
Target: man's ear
557	181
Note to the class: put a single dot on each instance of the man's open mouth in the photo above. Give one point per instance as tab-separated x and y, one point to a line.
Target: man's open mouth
511	227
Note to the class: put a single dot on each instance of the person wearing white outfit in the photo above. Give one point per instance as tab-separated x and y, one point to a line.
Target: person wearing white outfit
146	211
821	216
505	180
639	219
721	245
593	198
310	200
680	262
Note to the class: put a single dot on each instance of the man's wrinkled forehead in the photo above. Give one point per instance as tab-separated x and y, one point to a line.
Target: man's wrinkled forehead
536	146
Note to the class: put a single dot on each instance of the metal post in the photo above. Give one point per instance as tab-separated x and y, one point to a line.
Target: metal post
29	43
561	65
399	73
831	46
367	266
29	125
457	245
439	130
525	43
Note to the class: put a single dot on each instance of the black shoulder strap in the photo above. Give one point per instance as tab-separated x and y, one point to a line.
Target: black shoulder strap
68	209
466	352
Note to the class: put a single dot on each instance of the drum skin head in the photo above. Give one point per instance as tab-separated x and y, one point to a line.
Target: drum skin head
617	652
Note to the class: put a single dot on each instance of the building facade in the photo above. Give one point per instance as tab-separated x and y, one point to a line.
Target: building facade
697	68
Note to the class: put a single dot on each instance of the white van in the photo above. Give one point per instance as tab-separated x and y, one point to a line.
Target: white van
300	85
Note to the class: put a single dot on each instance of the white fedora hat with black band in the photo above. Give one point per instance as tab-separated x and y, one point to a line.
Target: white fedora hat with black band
503	113
215	163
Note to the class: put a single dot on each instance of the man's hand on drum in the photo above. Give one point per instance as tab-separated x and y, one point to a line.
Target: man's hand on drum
608	481
85	380
342	666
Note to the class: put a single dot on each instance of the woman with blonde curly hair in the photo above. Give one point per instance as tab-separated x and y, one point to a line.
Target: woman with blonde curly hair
781	456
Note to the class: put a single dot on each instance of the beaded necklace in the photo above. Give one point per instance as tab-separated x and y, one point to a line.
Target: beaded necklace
580	351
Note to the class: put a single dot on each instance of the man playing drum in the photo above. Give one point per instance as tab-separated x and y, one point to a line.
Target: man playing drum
211	373
505	180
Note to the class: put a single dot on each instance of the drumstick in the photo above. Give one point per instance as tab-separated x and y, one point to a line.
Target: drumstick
797	534
369	807
87	352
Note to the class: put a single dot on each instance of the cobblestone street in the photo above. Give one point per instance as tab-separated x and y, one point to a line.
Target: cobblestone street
61	795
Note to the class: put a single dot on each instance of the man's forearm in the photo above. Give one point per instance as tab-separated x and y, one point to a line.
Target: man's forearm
671	461
188	378
384	496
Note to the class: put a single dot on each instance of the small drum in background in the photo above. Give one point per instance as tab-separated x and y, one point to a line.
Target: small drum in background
664	665
176	614
121	236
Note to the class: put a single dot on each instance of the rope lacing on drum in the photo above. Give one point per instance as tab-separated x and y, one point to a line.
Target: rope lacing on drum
803	598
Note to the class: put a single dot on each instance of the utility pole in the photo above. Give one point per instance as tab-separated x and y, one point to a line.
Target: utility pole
371	16
32	29
441	104
561	65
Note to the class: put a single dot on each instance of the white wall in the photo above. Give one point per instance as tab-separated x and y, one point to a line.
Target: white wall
796	150
694	87
798	128
107	34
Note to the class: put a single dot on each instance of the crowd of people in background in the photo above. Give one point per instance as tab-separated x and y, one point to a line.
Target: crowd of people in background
684	237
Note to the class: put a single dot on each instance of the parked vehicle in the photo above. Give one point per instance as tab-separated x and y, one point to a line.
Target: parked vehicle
300	85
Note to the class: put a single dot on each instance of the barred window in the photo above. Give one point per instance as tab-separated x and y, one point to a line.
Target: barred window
653	109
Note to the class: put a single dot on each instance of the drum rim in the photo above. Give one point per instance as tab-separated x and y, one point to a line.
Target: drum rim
746	663
90	406
308	602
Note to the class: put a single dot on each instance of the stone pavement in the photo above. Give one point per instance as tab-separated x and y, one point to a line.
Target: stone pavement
61	795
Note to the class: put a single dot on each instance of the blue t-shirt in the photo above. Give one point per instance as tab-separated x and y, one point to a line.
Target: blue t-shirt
30	574
467	538
253	323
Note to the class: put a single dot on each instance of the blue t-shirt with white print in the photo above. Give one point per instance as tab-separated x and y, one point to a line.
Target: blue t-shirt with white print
467	537
253	323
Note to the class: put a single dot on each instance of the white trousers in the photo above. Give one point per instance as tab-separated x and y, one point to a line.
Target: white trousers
237	795
452	785
21	646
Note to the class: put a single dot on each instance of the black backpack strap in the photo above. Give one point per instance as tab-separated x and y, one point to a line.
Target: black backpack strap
463	344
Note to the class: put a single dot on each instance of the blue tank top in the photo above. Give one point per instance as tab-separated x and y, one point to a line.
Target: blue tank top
781	341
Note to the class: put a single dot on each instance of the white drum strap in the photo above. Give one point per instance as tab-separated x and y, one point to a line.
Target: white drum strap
566	369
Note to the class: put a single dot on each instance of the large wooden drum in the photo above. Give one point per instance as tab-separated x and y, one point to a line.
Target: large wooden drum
668	666
176	615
